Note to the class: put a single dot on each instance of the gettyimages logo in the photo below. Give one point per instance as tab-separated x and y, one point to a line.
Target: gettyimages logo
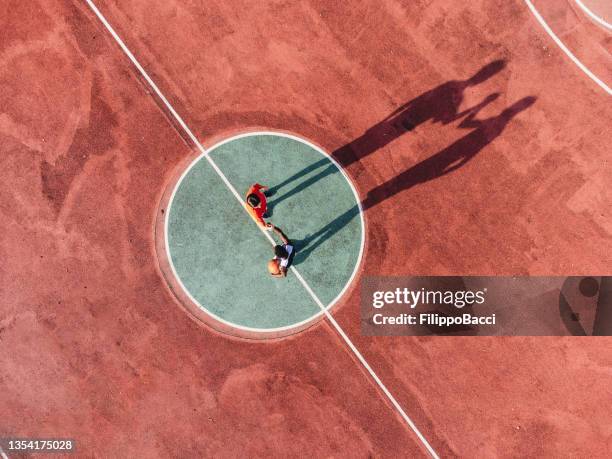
412	298
425	299
493	306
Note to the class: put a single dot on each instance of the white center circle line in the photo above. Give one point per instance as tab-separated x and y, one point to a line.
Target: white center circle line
293	269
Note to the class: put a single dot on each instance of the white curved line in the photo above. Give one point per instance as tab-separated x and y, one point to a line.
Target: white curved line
593	15
267	234
556	39
205	154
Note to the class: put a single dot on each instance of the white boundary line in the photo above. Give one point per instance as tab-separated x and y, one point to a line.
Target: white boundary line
346	339
209	151
593	15
564	48
3	454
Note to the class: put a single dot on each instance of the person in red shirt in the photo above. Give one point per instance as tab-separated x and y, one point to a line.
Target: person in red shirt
257	205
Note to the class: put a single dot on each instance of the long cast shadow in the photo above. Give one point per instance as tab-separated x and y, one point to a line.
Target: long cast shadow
444	162
440	105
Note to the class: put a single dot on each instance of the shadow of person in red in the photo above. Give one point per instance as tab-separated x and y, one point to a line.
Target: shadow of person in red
440	105
444	162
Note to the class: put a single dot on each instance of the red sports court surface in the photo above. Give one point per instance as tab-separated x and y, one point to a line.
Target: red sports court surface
94	344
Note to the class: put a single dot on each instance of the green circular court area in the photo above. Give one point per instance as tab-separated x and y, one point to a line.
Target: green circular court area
218	255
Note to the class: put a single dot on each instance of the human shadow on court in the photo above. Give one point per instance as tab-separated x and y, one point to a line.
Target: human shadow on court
446	161
440	105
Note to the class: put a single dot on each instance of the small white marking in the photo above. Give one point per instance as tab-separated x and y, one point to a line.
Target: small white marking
593	15
564	48
231	188
3	454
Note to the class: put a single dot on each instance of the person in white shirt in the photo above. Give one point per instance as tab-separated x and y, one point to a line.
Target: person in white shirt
283	255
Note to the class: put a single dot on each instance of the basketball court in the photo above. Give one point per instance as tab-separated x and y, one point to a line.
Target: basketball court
398	138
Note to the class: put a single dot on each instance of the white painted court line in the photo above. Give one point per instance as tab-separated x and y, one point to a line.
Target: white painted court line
3	454
593	16
564	48
193	138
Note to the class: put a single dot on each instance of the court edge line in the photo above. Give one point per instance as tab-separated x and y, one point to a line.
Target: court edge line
593	15
375	377
564	48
